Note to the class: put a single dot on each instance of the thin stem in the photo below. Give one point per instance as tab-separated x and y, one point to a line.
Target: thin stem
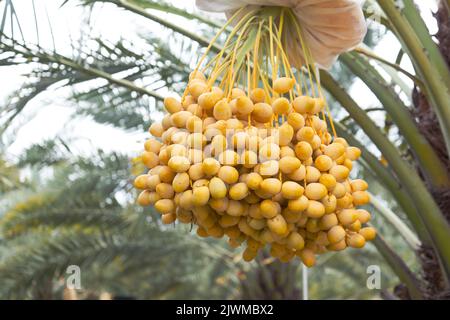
395	66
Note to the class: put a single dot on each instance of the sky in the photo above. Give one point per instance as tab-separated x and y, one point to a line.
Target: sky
51	113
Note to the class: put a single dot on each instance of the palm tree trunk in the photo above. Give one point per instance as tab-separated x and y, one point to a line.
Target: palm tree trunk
429	127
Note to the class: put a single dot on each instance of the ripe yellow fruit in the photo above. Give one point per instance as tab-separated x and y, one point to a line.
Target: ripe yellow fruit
168	218
334	150
278	225
359	185
240	140
339	190
228	221
269	168
150	159
196	140
164	156
328	181
269	208
201	232
238	191
184	216
200	196
196	172
289	164
166	174
356	240
210	166
360	198
303	104
180	182
271	186
305	134
249	254
152	145
315	209
218	144
262	112
303	150
257	95
363	215
298	205
144	198
177	150
269	151
281	106
207	100
285	134
323	163
291	216
249	159
348	163
253	181
165	206
222	110
355	226
291	190
296	120
328	221
156	129
257	224
315	191
166	124
283	85
196	87
197	75
339	246
298	174
195	156
194	124
186	200
237	92
233	232
340	172
226	164
353	153
140	182
195	109
219	205
295	241
172	105
345	202
330	203
236	208
179	164
316	142
180	118
234	124
336	234
244	105
216	232
319	104
308	257
347	216
229	158
228	174
165	190
368	233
